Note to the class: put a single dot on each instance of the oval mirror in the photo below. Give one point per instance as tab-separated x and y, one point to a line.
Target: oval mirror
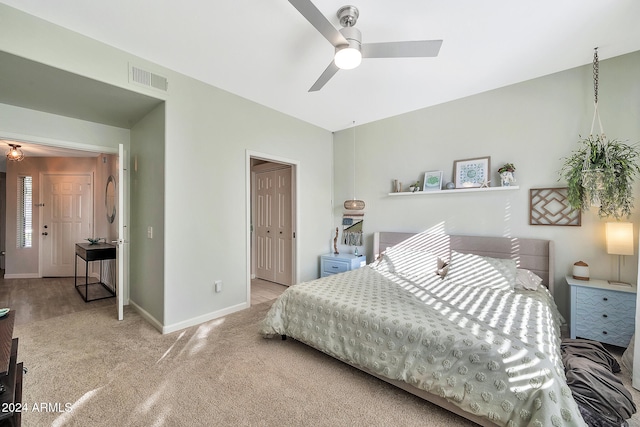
110	199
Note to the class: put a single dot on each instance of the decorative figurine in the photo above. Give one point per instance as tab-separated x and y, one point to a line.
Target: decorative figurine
335	243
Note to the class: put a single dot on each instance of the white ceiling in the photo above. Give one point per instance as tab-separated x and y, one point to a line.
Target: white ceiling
267	52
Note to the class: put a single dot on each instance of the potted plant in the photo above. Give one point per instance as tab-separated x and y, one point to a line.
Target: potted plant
601	173
506	174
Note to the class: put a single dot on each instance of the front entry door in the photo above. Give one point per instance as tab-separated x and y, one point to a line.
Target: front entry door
67	220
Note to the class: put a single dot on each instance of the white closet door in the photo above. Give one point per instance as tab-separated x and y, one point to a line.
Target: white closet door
264	225
283	238
273	226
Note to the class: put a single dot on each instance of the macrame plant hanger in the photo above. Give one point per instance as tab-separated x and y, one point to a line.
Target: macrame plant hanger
601	138
596	71
596	76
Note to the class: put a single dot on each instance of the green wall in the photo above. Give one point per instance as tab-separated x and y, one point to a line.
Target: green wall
533	124
207	133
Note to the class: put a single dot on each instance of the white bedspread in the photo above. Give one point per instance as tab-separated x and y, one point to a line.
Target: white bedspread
492	352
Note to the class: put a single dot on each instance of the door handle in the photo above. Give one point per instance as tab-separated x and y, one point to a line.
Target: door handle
45	234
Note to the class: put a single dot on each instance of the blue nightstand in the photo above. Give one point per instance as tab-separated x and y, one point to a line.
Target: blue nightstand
601	311
334	264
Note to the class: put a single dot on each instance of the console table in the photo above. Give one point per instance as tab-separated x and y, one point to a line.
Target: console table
10	374
93	252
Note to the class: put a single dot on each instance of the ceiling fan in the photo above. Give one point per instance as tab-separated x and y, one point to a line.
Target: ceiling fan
348	41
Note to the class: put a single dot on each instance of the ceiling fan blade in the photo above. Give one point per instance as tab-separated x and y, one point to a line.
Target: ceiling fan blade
410	49
324	78
318	20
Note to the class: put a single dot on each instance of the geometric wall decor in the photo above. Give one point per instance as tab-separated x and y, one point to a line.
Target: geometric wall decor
549	206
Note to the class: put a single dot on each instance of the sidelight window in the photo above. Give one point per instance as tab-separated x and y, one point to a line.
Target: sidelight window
25	214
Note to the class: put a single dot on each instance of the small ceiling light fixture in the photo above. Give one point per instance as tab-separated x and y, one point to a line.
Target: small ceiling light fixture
353	204
15	154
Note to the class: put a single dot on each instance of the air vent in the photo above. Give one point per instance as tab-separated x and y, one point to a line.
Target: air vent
147	78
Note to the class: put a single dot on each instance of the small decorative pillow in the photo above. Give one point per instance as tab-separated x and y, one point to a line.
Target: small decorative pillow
495	273
527	279
443	268
410	262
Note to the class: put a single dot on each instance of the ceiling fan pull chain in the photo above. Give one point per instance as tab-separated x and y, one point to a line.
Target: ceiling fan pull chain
596	75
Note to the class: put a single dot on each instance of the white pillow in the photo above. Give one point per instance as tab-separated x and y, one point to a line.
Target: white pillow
410	262
527	279
496	273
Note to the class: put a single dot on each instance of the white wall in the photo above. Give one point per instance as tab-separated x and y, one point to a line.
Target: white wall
533	124
207	132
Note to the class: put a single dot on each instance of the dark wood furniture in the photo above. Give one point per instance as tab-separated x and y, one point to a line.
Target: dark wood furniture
10	374
93	252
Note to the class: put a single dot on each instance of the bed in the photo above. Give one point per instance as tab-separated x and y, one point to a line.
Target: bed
438	315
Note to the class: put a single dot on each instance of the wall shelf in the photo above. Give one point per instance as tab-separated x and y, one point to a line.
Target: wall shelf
457	190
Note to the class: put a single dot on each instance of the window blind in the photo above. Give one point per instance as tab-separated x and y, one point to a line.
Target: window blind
25	215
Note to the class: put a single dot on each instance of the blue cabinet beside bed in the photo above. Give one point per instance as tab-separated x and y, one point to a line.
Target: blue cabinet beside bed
601	311
339	263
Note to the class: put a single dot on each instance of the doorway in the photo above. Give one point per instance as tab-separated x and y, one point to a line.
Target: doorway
69	206
272	219
67	218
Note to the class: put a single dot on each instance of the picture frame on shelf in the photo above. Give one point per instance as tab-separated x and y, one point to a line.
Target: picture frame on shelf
472	173
432	181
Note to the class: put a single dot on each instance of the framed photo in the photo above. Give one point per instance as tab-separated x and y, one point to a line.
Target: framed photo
470	173
432	181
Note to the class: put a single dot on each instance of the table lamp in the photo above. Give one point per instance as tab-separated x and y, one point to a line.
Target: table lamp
619	242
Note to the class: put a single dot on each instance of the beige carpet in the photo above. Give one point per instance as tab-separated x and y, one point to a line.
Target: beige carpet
221	373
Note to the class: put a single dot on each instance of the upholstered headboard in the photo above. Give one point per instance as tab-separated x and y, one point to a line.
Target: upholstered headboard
536	255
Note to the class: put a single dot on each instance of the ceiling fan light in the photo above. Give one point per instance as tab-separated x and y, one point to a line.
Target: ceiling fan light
348	58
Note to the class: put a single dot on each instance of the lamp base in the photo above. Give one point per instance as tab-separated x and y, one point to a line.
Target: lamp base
618	283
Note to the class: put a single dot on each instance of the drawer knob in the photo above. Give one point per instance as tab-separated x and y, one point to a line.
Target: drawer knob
334	266
604	332
604	315
605	299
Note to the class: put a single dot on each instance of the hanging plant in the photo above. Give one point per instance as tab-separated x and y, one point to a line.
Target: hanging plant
601	173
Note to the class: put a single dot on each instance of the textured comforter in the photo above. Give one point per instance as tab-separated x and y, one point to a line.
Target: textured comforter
492	351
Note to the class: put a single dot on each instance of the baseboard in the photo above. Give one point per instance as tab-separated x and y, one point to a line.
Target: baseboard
146	315
22	276
203	318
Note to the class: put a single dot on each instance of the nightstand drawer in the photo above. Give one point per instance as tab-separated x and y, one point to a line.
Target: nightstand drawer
598	304
339	263
603	315
333	266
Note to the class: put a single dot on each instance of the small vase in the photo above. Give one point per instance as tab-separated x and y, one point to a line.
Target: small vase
507	178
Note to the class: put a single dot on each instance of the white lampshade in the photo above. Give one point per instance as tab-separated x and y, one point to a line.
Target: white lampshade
348	58
619	238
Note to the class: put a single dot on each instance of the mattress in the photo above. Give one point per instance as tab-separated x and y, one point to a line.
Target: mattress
491	350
